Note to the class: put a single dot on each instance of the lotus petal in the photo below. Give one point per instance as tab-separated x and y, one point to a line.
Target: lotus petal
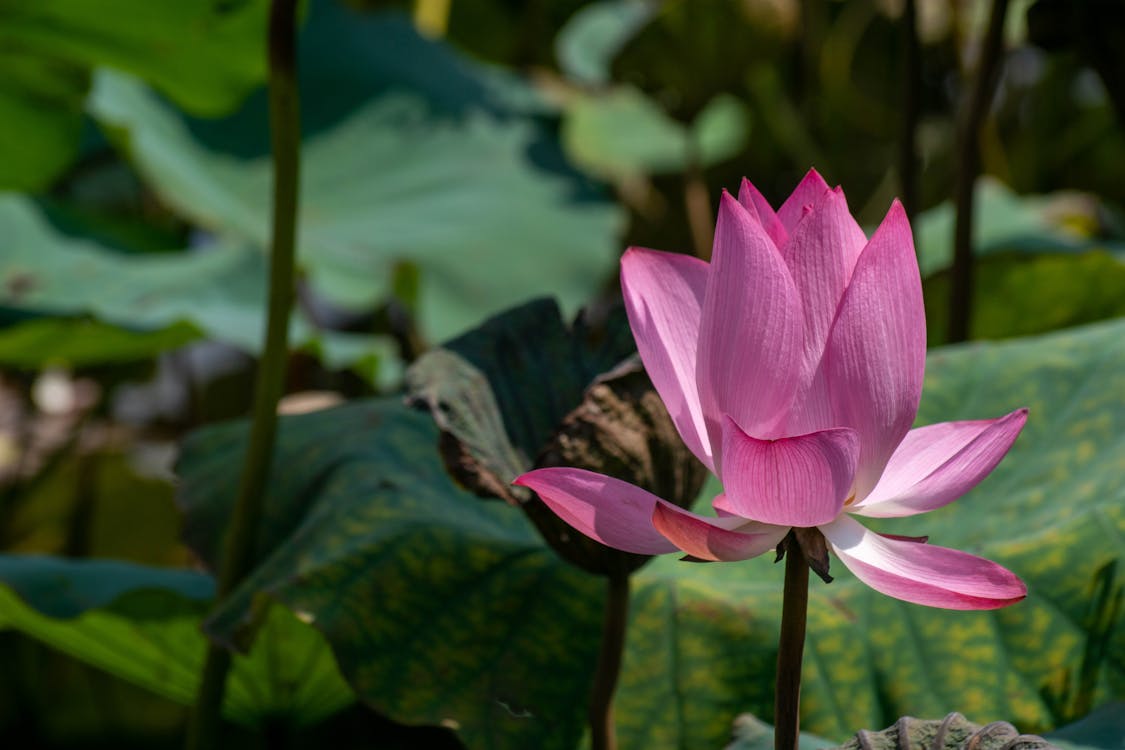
750	334
935	465
808	191
793	481
876	353
922	573
613	512
821	254
663	298
716	539
756	205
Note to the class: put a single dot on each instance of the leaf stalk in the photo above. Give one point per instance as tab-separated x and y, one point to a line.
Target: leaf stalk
603	735
238	552
968	169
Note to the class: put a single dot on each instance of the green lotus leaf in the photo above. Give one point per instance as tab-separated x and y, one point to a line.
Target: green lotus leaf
410	578
751	733
57	278
441	608
1052	512
1102	729
622	134
142	624
398	168
71	342
1007	222
204	55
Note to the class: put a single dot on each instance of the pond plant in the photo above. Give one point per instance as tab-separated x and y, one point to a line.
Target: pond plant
511	539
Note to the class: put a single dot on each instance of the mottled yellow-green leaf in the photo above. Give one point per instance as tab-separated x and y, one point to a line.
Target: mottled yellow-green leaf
441	606
1053	511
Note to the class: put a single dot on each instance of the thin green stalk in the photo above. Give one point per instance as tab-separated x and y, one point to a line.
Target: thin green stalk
603	735
239	547
911	109
697	203
791	648
968	168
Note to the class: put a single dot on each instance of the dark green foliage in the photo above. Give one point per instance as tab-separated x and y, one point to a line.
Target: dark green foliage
142	624
410	577
205	55
440	608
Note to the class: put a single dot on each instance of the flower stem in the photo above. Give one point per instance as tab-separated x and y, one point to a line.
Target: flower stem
602	733
791	647
239	546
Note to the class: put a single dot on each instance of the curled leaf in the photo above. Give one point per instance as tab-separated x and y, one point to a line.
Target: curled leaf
524	391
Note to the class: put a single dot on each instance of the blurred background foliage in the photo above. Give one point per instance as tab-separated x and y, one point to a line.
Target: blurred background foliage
461	157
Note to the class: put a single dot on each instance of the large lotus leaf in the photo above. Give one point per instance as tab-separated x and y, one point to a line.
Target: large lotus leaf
142	624
702	637
43	269
622	133
142	303
205	55
474	197
441	608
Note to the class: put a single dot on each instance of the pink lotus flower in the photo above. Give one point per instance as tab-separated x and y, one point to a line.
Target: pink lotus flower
792	366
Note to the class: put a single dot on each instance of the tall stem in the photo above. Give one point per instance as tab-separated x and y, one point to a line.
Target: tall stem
602	733
911	108
791	648
968	168
698	206
285	132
